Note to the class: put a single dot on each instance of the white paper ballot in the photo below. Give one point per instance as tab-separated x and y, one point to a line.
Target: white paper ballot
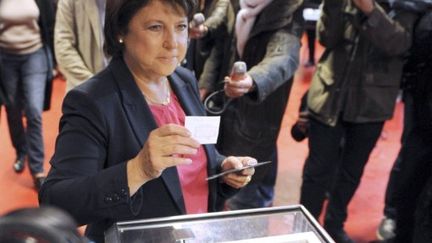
205	129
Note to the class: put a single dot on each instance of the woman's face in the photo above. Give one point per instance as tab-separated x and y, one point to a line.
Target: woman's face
156	41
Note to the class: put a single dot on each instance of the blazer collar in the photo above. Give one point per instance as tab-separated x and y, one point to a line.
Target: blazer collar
141	119
184	91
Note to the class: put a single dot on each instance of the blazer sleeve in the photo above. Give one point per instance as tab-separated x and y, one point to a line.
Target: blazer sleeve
66	41
77	166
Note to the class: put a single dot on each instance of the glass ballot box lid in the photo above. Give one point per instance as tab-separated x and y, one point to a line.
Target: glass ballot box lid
276	224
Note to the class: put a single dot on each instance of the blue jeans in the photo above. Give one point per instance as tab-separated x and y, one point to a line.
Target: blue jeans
24	80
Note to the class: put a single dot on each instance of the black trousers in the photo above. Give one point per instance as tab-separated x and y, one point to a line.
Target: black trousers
328	164
311	36
408	123
416	170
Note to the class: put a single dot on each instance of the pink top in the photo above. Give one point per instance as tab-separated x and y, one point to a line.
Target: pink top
192	177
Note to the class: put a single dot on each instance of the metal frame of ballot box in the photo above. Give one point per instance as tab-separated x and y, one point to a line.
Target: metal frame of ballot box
286	224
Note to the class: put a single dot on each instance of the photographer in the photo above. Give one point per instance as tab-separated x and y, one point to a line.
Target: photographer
352	94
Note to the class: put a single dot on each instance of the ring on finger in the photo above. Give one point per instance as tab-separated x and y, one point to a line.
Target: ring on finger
248	179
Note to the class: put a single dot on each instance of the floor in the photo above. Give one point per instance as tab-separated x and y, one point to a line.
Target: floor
365	210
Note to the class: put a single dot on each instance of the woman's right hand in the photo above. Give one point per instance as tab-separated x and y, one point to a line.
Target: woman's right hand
164	148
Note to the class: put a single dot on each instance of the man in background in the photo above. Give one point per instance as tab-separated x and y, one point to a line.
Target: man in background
79	39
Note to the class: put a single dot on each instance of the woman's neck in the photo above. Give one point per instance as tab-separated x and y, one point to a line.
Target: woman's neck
155	88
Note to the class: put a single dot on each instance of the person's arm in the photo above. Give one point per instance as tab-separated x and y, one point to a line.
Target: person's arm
393	35
77	181
68	57
278	65
330	26
81	183
208	81
217	19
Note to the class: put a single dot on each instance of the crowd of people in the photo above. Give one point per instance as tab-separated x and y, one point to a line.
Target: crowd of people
135	69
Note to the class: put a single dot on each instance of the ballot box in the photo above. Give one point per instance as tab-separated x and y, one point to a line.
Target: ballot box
275	224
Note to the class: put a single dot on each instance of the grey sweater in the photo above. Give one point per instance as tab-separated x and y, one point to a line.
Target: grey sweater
19	29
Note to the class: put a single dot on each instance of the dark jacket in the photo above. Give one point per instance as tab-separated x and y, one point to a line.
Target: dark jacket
46	24
359	72
105	123
418	74
312	3
3	95
251	123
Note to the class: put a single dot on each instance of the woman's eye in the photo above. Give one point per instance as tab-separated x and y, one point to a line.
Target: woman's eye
182	27
155	27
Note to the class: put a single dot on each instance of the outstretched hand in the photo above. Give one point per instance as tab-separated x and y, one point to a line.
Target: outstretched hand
366	6
197	32
238	88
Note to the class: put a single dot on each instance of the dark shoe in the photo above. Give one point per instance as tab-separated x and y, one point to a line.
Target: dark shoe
386	229
19	165
339	235
38	181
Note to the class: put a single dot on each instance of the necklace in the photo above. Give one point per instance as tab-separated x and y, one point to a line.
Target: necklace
149	99
167	99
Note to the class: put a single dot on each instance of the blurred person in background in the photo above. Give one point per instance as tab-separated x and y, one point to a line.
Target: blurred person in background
197	53
415	61
412	184
123	152
265	34
352	94
79	39
311	14
27	63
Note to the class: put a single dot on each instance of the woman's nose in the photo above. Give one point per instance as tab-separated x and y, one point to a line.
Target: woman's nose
171	40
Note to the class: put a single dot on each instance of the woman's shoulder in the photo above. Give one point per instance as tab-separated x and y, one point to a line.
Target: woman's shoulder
101	84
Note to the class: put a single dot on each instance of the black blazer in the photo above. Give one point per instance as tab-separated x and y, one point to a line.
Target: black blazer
105	123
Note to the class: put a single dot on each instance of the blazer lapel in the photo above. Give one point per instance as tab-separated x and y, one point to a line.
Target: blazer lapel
135	106
192	105
142	122
184	91
92	12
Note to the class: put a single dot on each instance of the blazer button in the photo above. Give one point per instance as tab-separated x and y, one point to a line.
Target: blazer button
124	193
108	199
116	197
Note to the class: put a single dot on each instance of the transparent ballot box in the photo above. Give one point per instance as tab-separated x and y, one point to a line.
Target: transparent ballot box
286	224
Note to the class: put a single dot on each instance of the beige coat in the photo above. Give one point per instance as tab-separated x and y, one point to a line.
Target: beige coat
78	40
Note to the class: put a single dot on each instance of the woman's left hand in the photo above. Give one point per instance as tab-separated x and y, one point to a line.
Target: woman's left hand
241	178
